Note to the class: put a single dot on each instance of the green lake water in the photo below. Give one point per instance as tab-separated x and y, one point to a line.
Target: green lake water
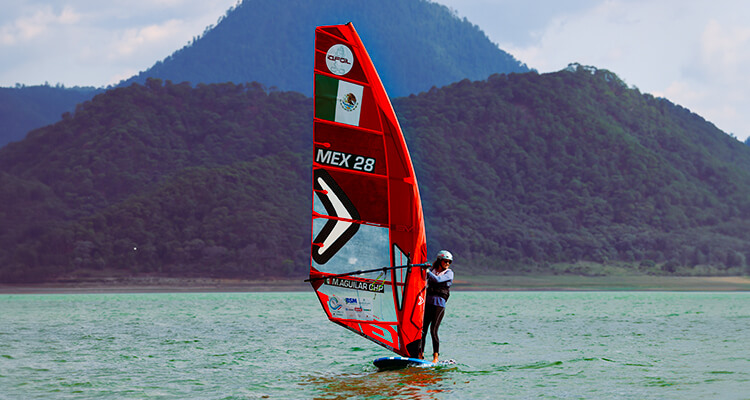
592	345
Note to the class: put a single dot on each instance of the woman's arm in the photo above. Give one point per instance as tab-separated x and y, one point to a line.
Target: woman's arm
447	276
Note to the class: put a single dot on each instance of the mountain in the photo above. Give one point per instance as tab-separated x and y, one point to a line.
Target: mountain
23	108
518	172
417	44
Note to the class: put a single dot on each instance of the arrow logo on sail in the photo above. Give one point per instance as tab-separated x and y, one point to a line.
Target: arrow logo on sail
338	230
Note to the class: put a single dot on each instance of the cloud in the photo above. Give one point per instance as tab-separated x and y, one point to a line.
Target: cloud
94	42
725	51
614	35
513	21
714	82
134	40
41	22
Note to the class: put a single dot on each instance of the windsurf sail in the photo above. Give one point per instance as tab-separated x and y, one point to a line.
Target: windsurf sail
366	213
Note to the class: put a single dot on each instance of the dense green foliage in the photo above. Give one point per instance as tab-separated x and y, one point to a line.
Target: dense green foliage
418	45
162	168
516	172
23	108
247	219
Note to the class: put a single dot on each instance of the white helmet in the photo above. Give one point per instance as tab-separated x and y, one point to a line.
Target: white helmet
445	255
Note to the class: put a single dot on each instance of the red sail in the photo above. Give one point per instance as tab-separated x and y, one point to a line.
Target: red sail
366	213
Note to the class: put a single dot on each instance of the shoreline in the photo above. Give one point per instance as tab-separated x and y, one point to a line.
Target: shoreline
470	283
607	283
157	285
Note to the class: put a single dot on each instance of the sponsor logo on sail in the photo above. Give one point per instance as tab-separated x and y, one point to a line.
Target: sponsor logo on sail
339	59
374	287
334	303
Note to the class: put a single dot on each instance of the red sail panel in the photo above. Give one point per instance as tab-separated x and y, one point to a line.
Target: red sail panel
366	214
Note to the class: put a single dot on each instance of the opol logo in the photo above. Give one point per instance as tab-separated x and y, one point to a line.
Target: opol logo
349	102
339	59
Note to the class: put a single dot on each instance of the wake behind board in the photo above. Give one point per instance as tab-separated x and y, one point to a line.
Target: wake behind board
389	363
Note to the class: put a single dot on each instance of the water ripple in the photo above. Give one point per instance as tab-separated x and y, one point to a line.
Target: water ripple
280	345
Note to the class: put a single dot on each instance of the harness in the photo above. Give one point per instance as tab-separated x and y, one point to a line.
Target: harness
439	289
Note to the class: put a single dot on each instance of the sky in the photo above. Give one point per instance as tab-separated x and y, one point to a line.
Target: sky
696	53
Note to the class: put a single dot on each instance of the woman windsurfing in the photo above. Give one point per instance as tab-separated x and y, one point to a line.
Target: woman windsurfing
439	281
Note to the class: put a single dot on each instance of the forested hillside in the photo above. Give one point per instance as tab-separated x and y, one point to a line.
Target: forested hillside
535	169
517	173
155	173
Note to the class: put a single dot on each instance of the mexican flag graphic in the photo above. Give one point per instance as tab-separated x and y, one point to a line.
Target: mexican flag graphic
337	100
